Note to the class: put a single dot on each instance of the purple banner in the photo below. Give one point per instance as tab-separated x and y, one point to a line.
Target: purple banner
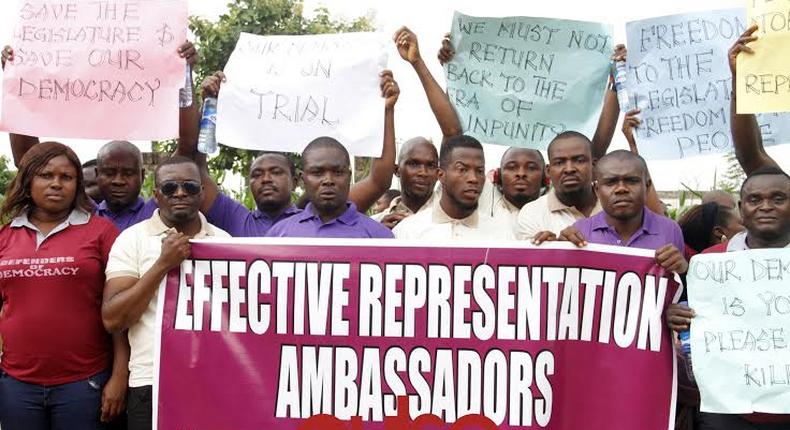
266	335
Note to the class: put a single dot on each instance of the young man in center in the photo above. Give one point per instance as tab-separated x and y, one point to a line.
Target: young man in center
329	213
455	214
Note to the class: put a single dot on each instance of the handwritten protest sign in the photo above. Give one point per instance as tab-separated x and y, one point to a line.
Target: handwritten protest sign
520	81
284	91
104	69
343	327
740	335
679	76
764	77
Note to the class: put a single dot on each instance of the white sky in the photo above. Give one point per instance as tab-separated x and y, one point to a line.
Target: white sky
430	19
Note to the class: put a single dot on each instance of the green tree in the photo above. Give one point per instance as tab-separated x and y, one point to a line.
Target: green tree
6	176
733	177
215	41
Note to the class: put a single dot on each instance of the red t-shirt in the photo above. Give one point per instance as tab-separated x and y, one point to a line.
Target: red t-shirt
756	417
51	302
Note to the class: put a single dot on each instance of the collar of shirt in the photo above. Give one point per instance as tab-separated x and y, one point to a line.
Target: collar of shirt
156	227
439	216
104	210
290	210
598	222
505	203
738	242
349	217
555	205
76	217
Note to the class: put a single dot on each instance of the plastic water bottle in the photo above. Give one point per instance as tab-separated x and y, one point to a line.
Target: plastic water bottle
185	94
685	348
207	139
620	74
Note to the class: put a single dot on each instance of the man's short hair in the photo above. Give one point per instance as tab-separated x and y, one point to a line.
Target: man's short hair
411	143
762	171
172	161
288	160
623	155
122	145
566	135
453	143
326	142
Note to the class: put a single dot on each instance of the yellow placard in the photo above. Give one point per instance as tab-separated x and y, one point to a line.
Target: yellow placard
763	78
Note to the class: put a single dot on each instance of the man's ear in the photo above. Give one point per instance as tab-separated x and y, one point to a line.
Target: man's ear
396	172
648	183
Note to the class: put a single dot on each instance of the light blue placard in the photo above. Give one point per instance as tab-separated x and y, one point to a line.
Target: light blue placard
519	81
678	74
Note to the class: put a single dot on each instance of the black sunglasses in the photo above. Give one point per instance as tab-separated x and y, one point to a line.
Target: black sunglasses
169	188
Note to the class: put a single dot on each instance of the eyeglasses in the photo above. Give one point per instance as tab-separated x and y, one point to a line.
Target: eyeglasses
169	188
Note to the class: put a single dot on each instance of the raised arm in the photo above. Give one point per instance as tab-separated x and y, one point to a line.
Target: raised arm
20	143
630	122
209	88
188	117
607	122
746	137
408	48
365	192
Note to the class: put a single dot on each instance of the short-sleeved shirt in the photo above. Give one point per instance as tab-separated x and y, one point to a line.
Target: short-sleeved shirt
548	213
435	224
350	225
135	251
238	221
656	232
51	287
140	210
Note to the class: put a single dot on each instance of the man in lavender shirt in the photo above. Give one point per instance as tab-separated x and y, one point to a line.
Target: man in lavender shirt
621	186
329	213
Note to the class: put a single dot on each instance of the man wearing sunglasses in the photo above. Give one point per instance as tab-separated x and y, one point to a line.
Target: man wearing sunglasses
138	265
329	212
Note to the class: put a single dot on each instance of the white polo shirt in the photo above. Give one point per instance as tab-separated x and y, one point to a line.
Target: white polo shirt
548	213
434	224
132	255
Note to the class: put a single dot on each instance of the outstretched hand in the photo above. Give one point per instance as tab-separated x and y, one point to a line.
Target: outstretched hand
741	45
406	42
389	89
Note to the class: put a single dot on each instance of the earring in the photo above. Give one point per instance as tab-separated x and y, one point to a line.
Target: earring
723	238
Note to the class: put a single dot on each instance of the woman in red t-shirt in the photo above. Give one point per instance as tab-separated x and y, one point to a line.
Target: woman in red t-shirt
60	369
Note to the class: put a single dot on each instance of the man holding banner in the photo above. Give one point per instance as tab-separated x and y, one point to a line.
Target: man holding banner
139	261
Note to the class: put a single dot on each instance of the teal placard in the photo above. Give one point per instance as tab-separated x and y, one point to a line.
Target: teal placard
520	81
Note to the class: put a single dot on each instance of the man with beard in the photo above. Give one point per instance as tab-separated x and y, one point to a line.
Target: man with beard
455	214
621	185
571	198
518	181
329	213
138	265
417	169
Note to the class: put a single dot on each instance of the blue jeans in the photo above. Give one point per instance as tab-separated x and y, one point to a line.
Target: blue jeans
76	405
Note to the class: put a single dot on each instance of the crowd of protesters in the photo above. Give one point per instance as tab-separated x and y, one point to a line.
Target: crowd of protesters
82	254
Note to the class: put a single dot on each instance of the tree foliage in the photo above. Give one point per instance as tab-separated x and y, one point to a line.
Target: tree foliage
215	41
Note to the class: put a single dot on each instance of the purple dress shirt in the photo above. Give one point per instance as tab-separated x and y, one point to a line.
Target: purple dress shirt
238	221
140	210
656	232
351	224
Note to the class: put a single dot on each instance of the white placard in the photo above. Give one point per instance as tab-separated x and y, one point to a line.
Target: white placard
284	91
740	336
